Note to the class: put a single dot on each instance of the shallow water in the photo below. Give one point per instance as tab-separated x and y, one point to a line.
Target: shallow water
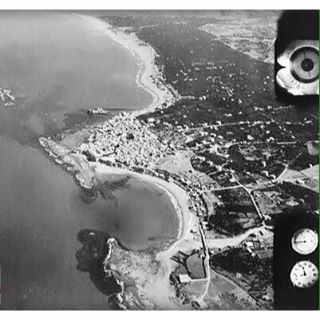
57	63
139	214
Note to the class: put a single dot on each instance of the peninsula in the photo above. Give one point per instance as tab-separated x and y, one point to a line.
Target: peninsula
225	152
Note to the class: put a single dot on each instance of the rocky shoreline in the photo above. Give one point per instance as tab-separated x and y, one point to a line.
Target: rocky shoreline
86	170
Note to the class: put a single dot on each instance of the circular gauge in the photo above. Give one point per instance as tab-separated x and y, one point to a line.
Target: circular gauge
304	64
304	241
304	274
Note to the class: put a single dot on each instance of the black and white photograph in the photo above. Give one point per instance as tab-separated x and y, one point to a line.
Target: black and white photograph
159	159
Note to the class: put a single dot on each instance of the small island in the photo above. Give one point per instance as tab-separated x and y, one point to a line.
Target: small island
6	97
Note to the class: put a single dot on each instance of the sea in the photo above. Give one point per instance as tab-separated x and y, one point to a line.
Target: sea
58	64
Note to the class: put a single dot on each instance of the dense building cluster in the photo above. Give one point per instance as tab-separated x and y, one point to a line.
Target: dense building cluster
123	140
254	150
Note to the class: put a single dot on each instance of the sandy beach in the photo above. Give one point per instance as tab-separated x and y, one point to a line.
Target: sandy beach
178	197
157	290
149	77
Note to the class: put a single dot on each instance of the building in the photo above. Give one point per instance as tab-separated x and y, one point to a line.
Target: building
184	278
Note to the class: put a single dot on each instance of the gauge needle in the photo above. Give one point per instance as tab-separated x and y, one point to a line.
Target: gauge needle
302	241
304	272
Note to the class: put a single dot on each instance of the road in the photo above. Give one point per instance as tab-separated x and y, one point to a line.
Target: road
206	265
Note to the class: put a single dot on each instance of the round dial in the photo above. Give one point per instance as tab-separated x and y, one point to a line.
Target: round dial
304	241
304	64
304	274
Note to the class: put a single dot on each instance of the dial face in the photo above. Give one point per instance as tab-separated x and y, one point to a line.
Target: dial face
304	64
304	241
304	274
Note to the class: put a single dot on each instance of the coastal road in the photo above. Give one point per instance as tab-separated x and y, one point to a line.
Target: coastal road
206	264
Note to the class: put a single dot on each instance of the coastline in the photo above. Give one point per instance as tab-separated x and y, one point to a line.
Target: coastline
178	197
149	77
157	290
143	151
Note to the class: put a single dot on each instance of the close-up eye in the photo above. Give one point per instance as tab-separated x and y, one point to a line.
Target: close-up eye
299	68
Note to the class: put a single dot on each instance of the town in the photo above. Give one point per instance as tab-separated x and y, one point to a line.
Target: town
226	208
241	157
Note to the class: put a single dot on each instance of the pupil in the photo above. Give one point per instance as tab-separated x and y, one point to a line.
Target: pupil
307	64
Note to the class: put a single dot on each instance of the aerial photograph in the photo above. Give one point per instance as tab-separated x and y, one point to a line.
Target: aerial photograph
146	160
